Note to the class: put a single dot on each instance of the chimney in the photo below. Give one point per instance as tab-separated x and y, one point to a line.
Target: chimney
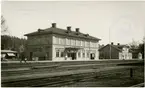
53	25
77	30
111	43
68	28
39	30
118	43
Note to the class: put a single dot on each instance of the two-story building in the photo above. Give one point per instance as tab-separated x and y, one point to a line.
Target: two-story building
111	51
58	44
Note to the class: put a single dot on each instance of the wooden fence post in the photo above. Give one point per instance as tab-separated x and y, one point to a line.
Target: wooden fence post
131	72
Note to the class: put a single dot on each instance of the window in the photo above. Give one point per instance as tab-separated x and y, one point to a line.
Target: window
90	44
78	43
57	40
87	44
69	42
79	54
96	45
66	40
61	41
88	54
83	54
73	42
93	44
57	53
83	43
62	55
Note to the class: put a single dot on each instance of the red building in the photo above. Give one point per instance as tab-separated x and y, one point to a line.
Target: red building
111	51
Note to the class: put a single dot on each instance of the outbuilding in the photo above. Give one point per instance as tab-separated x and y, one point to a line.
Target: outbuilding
8	55
111	51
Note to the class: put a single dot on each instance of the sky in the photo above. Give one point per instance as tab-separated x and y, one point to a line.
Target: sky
118	22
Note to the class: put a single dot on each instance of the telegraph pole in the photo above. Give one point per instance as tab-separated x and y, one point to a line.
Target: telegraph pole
110	42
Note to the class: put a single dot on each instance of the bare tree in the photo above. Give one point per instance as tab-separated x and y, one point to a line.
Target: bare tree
4	27
134	44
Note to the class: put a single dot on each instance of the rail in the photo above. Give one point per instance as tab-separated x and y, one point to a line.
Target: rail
43	80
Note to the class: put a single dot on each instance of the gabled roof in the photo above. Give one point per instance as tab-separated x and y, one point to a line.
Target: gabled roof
62	32
118	47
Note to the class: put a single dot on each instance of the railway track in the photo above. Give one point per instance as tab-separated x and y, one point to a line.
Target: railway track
56	81
51	82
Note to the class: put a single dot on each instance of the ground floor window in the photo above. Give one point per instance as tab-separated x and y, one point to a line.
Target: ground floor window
87	54
62	54
83	54
57	53
79	54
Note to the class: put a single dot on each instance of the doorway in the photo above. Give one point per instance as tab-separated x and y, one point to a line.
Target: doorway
73	55
31	55
92	56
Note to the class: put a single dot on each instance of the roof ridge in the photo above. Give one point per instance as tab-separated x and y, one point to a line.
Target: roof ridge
62	31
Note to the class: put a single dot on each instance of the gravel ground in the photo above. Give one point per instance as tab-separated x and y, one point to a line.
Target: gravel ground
114	78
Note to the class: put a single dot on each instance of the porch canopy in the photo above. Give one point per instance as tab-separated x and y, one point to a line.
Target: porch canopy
72	49
11	54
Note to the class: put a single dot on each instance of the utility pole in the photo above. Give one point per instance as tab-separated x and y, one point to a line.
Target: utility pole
110	42
112	25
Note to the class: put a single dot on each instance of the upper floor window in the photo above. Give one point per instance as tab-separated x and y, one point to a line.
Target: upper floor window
83	43
73	42
87	44
57	40
93	44
62	41
78	43
69	41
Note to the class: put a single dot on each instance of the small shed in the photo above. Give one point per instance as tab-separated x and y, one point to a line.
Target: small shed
8	54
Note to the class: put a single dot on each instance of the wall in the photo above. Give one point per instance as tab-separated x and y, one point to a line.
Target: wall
105	53
125	54
40	44
92	49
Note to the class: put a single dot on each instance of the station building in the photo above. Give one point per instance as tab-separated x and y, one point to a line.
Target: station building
56	44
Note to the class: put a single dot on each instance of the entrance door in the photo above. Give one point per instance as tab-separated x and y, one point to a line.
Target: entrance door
92	56
73	55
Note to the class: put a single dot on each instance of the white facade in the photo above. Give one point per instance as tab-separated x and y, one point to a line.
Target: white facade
73	49
125	54
139	55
